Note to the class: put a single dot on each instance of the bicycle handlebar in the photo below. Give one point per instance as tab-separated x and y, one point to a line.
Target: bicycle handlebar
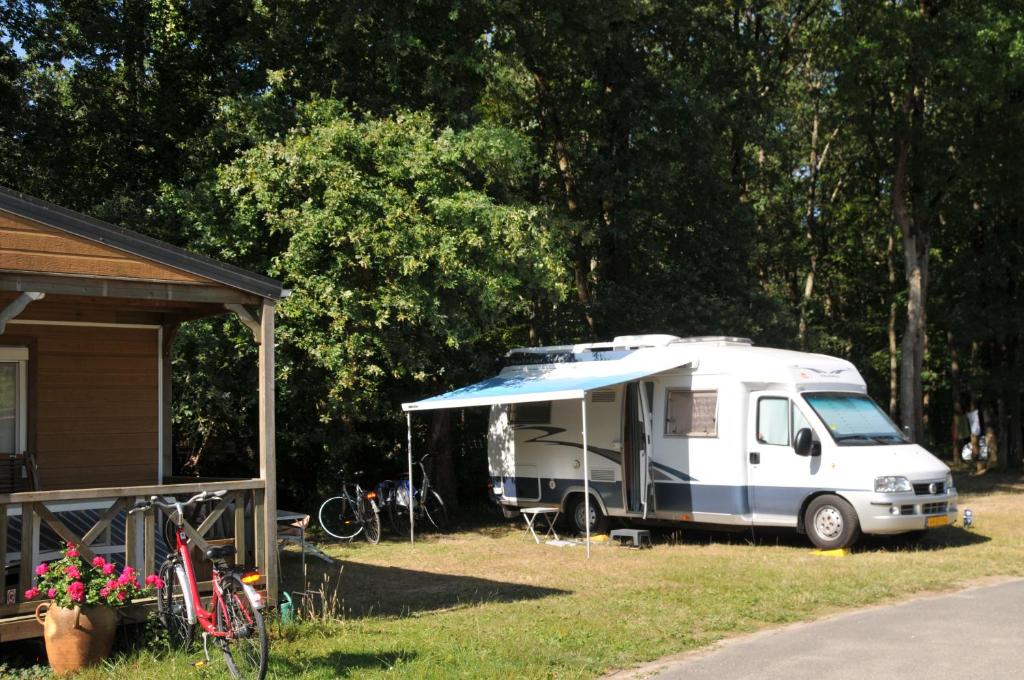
198	498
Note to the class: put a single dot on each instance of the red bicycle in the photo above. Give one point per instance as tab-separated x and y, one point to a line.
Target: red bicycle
233	620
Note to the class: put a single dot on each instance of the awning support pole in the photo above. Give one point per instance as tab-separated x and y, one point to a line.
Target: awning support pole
412	500
586	474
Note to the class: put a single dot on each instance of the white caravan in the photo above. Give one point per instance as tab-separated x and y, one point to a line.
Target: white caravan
711	431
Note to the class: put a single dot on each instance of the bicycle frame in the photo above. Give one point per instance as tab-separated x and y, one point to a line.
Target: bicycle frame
186	576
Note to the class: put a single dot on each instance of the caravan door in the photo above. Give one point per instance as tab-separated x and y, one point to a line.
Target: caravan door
778	479
636	437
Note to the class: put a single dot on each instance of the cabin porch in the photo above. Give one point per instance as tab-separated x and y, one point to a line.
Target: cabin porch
88	316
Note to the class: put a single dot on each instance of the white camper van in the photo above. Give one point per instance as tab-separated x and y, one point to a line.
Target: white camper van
711	431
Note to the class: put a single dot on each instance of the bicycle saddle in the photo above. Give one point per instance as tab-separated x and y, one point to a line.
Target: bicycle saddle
220	552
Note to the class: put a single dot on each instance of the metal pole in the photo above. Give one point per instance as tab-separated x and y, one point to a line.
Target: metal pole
412	520
586	474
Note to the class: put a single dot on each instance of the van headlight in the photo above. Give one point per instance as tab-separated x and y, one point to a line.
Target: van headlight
949	482
892	484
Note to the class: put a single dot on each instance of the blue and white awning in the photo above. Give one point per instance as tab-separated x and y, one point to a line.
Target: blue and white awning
519	384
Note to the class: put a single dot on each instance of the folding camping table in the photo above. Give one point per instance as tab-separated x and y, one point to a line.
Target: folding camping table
550	514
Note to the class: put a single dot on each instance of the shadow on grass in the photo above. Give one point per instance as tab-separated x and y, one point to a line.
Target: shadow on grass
944	538
969	482
343	664
358	590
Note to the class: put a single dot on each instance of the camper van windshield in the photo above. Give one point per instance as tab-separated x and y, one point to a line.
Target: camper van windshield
854	420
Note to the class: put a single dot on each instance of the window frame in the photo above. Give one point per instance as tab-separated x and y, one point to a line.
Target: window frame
669	391
789	420
18	355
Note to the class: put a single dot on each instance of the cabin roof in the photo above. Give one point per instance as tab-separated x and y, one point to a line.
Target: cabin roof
139	245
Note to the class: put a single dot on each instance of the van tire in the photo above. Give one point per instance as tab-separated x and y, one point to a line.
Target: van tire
831	523
577	510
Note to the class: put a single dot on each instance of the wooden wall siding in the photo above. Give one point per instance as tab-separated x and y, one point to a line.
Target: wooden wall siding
96	405
110	310
26	246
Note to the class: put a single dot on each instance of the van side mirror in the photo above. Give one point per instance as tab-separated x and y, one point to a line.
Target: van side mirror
804	444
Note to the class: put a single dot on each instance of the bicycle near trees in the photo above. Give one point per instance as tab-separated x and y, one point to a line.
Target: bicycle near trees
353	511
427	504
233	620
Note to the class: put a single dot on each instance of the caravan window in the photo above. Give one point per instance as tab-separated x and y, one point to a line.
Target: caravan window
531	413
691	414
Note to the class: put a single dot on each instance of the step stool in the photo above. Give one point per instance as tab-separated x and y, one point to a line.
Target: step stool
638	536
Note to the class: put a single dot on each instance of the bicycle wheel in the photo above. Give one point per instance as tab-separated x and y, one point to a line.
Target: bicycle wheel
435	510
399	516
245	646
371	522
340	518
171	609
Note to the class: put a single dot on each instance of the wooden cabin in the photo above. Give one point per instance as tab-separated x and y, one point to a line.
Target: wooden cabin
88	315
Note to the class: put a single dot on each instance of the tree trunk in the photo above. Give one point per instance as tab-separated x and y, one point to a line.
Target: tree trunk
894	355
954	380
916	244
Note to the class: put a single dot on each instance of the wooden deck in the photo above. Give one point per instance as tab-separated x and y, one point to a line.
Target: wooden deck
33	525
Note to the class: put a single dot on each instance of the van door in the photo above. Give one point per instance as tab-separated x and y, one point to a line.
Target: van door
636	437
778	479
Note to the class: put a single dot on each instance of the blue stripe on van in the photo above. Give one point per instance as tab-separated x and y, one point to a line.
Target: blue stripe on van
676	497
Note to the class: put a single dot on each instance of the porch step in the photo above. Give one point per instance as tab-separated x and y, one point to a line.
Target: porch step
637	536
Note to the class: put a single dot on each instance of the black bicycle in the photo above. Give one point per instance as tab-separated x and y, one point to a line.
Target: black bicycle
427	505
353	511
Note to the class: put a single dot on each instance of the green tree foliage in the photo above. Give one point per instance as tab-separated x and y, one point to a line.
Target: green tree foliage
440	180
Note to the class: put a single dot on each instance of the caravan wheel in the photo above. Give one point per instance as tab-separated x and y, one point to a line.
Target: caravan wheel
578	510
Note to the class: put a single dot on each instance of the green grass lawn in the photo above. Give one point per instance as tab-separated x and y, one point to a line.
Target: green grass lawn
486	602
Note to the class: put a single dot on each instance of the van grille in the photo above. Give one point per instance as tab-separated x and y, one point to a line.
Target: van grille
933	508
922	488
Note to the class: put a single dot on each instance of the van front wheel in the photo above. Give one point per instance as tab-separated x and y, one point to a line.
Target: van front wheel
578	510
831	523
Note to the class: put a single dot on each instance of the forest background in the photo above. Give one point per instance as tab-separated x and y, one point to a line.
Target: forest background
439	181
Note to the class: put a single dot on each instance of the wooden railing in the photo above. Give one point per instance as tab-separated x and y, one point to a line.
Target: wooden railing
238	517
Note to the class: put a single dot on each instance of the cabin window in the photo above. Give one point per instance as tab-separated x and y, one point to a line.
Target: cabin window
773	421
13	362
691	414
531	413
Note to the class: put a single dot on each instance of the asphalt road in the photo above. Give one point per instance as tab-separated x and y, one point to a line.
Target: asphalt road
975	634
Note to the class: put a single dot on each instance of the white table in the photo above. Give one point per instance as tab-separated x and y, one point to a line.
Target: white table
550	514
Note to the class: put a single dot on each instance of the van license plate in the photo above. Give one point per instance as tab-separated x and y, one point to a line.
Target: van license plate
939	521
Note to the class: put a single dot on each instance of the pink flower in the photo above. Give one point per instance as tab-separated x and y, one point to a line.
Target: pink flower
76	590
98	562
121	595
31	593
109	568
128	573
158	583
51	593
72	551
42	569
104	592
72	571
111	584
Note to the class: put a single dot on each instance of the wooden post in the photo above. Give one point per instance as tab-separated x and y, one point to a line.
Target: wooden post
167	410
3	552
28	539
149	542
239	516
268	465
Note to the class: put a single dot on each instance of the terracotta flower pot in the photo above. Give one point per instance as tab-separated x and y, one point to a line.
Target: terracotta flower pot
76	637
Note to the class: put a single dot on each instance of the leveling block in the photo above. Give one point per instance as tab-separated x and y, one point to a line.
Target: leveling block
838	552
